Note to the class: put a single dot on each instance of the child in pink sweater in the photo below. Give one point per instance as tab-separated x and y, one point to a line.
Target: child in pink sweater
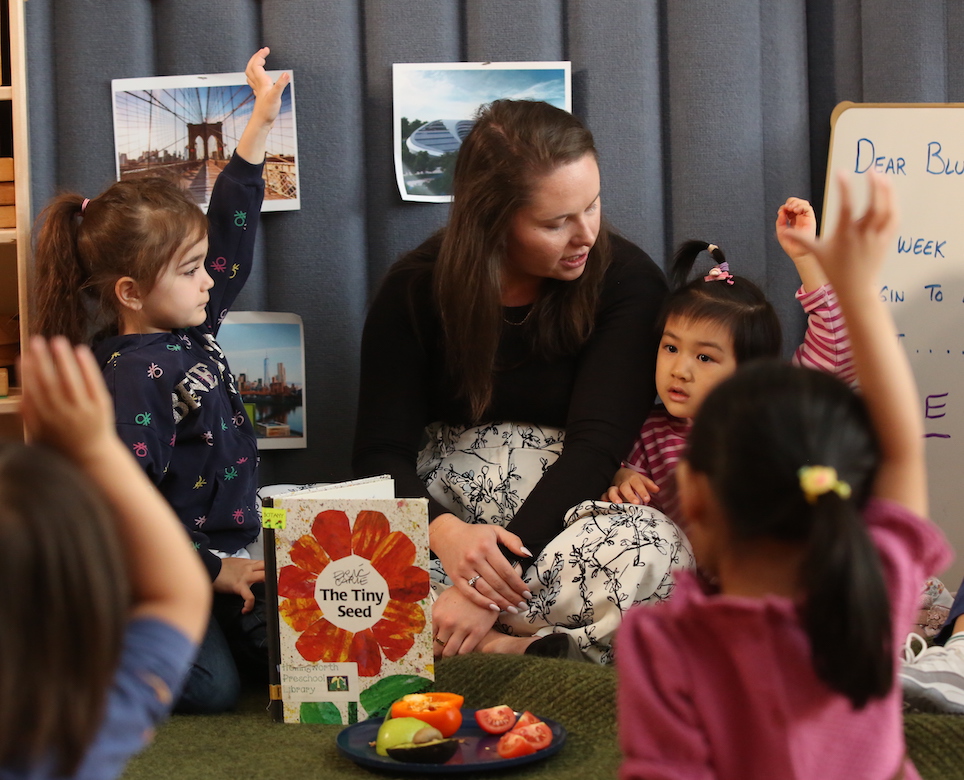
805	503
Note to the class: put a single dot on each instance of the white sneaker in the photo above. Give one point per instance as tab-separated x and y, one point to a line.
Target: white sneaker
933	677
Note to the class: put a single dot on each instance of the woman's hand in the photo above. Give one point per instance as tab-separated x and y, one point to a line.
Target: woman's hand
459	624
630	487
470	552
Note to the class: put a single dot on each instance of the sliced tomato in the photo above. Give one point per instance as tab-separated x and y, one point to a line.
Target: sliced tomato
496	720
539	735
525	719
440	710
513	745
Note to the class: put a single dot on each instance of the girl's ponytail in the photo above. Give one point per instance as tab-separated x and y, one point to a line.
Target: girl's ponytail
685	257
60	280
134	228
847	612
732	302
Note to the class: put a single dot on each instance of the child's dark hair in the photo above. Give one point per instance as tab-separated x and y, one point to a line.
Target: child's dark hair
753	434
134	228
65	608
741	307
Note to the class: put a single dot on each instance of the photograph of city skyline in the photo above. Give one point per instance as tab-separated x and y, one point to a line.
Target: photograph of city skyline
265	351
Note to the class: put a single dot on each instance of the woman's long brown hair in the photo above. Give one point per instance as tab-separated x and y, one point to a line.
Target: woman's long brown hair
512	145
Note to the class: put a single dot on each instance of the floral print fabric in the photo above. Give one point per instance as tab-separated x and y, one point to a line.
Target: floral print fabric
606	558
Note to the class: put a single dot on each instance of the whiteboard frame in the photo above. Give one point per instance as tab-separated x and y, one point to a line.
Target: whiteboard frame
944	501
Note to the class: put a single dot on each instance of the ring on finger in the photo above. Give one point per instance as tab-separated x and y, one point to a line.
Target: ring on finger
440	641
474	580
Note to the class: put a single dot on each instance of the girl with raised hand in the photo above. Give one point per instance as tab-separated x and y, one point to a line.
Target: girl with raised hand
105	598
709	326
805	502
142	273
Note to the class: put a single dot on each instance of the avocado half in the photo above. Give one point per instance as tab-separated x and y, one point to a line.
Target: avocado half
403	731
438	751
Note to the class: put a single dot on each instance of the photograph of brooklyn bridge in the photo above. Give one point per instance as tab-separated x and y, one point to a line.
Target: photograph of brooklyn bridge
189	126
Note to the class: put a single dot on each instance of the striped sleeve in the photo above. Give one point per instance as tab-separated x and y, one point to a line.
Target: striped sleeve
659	447
826	344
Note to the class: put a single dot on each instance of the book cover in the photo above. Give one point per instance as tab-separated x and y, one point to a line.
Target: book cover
353	627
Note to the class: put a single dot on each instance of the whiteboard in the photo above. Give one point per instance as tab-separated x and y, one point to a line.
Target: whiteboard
920	147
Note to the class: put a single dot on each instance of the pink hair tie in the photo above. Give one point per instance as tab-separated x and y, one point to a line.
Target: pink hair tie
719	273
83	206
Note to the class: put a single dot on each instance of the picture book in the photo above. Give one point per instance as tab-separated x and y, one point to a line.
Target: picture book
348	567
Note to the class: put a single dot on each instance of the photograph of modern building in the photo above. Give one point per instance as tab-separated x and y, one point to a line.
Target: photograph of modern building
435	106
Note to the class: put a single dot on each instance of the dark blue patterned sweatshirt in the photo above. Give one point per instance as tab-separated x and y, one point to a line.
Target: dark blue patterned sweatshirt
176	401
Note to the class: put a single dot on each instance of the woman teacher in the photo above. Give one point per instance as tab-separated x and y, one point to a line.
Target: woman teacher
521	339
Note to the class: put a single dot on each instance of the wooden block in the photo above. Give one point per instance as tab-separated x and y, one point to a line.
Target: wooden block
8	216
6	168
8	194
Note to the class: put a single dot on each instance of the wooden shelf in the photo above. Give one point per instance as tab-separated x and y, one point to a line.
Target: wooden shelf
11	404
16	240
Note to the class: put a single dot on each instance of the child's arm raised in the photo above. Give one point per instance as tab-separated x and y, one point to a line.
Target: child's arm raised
267	105
234	212
66	406
796	217
852	257
826	343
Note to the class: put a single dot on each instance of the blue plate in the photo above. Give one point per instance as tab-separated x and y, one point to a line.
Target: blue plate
476	752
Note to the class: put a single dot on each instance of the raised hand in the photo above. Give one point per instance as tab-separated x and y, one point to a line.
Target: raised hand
795	215
852	255
267	105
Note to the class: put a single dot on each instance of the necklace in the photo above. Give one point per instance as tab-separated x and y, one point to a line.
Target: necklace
523	321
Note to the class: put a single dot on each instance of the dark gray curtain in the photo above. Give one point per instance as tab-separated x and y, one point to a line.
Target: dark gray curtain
708	114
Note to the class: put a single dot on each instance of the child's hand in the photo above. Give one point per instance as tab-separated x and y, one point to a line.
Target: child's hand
796	215
267	105
65	403
853	254
630	487
237	575
267	95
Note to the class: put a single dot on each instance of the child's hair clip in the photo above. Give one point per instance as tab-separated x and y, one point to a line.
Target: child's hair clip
719	273
817	480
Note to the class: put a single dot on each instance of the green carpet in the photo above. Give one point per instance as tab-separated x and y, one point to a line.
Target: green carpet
248	744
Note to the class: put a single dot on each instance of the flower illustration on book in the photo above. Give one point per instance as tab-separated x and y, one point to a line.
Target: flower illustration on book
352	592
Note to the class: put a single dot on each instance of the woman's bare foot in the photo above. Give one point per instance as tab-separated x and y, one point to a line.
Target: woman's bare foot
497	642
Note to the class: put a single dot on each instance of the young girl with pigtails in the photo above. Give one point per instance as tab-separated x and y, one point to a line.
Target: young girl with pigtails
805	502
143	275
709	326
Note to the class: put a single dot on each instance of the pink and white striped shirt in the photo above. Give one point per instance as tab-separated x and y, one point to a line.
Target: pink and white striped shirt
662	439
